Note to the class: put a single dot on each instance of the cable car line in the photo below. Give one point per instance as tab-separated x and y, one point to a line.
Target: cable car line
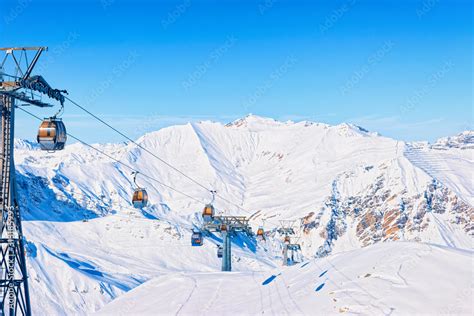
120	162
214	193
154	155
134	142
140	199
134	169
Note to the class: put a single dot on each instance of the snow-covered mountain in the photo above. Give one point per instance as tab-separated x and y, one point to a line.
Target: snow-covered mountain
346	188
465	140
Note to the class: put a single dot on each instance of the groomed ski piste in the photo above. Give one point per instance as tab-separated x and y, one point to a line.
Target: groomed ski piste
91	253
399	278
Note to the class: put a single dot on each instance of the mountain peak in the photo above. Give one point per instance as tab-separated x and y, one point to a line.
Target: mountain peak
259	122
252	120
349	129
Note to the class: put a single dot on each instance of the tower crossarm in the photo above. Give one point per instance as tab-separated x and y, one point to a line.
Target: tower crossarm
16	77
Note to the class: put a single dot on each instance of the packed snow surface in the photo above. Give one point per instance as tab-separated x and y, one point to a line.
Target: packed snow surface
386	279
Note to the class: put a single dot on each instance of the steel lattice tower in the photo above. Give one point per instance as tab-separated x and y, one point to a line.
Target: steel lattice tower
233	224
14	295
16	83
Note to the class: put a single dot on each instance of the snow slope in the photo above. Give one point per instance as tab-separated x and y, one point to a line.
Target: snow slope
453	168
385	279
345	187
76	267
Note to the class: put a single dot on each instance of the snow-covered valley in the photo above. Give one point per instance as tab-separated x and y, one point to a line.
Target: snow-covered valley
390	222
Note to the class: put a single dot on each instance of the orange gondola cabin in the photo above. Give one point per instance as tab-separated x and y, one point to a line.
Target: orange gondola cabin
52	134
223	227
208	213
140	198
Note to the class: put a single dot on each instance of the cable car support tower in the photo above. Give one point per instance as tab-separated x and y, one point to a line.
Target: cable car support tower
287	230
16	83
228	226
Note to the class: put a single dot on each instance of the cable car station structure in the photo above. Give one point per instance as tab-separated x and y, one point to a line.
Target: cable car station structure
17	83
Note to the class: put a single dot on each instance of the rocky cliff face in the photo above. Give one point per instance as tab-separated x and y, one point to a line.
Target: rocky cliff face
384	215
388	210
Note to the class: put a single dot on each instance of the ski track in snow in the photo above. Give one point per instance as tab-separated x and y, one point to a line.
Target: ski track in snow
287	288
444	232
214	297
189	296
403	283
269	295
262	307
399	273
281	301
347	292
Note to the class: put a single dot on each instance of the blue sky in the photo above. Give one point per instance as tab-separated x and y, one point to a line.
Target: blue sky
402	68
